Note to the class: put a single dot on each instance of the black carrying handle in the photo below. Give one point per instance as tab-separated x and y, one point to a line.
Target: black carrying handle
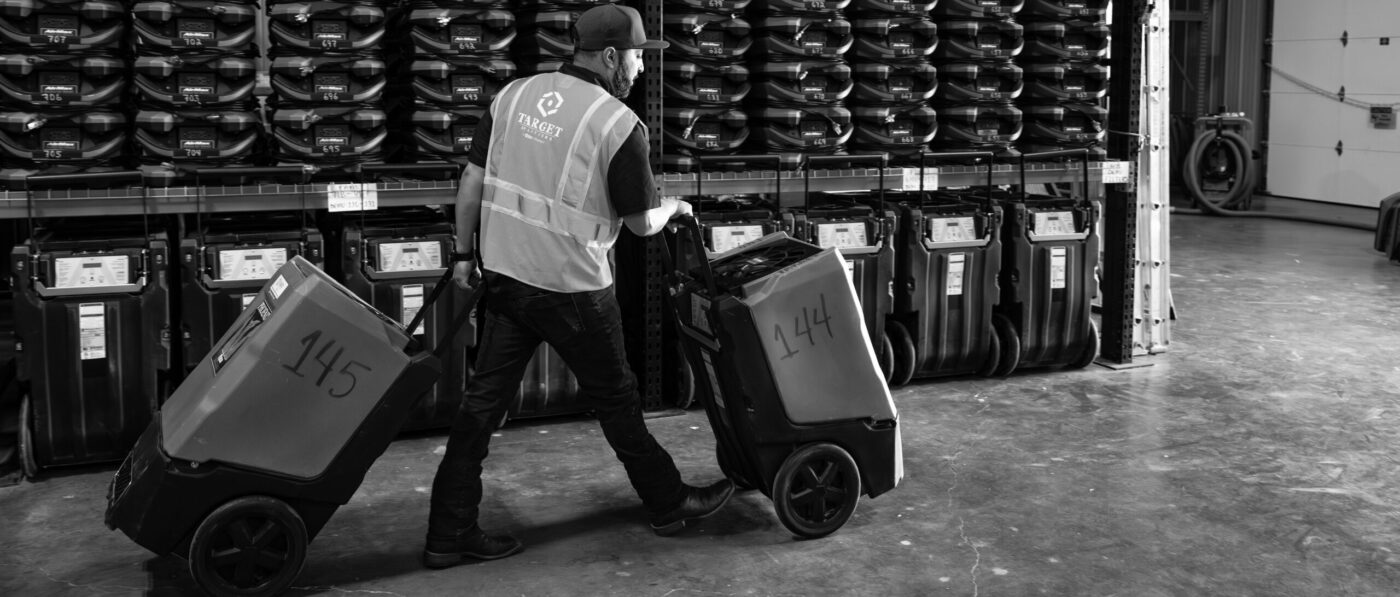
959	155
35	182
458	320
688	226
199	173
879	159
40	181
419	168
255	171
744	159
1082	153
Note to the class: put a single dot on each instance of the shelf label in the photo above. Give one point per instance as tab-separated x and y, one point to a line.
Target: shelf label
352	197
911	179
1117	172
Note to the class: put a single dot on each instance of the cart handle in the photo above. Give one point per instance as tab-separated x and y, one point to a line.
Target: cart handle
458	320
880	160
744	159
1082	153
953	155
420	168
255	171
688	226
40	181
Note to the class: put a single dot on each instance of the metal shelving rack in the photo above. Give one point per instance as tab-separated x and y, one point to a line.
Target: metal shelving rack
1135	277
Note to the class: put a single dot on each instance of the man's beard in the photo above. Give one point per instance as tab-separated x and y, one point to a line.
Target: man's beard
621	84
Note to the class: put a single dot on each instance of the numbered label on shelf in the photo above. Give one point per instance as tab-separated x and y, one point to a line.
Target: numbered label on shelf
911	179
352	197
1117	172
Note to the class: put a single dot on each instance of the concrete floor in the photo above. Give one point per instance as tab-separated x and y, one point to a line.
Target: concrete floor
1257	458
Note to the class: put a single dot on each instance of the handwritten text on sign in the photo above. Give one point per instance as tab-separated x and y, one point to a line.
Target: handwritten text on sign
911	179
352	197
341	382
806	326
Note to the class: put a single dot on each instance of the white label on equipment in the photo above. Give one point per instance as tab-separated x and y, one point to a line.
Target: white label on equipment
352	197
842	236
1057	267
1049	223
714	379
957	262
850	272
946	230
724	238
90	271
1117	172
92	331
699	314
250	264
248	299
278	286
911	179
410	256
412	300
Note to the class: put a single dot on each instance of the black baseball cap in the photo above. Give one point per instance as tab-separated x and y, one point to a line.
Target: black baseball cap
614	26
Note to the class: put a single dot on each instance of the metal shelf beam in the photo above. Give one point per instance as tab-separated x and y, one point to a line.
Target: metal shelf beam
211	199
862	179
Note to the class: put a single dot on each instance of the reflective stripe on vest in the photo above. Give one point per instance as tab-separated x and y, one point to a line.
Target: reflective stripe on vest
546	150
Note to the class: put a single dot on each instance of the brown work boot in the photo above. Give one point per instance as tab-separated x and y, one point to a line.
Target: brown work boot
699	503
475	544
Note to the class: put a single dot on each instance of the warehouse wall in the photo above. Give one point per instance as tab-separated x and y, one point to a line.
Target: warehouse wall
1309	117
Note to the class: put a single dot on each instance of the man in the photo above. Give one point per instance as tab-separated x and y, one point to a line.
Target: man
555	169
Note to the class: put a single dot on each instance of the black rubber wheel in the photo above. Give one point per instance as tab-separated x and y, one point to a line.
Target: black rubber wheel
989	366
1091	349
27	465
1010	342
254	545
816	490
886	356
905	355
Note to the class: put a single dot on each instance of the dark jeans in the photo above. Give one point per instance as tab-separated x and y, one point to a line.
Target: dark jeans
585	328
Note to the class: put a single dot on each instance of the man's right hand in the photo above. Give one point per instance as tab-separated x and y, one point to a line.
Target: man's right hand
465	274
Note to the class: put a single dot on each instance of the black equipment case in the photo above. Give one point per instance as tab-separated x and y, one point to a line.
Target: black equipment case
798	406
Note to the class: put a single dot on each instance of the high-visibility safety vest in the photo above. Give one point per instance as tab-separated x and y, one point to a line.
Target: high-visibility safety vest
546	217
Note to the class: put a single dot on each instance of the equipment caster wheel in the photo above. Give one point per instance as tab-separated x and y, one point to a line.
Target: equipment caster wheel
905	355
1010	345
1091	349
989	366
254	545
27	465
816	490
886	356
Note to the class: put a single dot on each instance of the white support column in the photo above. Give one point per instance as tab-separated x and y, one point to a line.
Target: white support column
1152	331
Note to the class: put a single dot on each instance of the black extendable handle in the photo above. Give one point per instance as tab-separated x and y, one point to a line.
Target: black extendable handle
879	159
301	171
417	168
49	181
1082	153
750	158
959	155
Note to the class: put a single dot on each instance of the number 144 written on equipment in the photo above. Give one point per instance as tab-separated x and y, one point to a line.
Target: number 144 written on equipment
805	327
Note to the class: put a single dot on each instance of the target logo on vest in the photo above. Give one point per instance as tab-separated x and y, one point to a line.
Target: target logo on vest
550	103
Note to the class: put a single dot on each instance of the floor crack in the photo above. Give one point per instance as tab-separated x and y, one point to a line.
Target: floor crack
340	590
977	560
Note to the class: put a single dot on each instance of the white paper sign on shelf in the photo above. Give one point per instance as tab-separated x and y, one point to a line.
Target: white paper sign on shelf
1117	172
352	197
911	179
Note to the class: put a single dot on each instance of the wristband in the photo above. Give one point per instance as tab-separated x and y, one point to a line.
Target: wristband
456	256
